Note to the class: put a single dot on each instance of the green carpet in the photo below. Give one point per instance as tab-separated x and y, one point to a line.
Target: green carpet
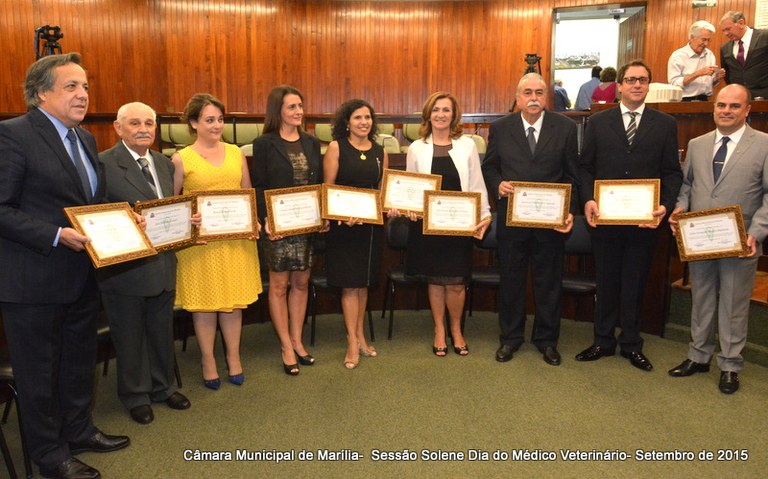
410	402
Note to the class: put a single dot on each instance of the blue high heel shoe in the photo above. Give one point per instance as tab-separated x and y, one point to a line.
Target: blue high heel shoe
214	384
237	379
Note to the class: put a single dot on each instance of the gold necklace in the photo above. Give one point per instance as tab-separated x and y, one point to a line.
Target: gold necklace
362	155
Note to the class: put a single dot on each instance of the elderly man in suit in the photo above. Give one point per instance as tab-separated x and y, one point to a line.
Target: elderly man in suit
138	295
626	142
530	145
745	55
727	166
48	292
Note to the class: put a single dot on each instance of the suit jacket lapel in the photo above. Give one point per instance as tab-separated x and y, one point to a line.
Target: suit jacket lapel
519	135
164	175
738	154
49	134
132	172
646	125
546	132
280	147
616	124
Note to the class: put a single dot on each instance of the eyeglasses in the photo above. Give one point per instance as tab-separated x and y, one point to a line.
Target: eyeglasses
633	80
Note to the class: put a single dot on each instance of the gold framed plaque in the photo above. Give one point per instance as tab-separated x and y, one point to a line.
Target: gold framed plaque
627	202
294	211
711	234
115	236
451	213
539	205
169	221
345	202
227	214
404	190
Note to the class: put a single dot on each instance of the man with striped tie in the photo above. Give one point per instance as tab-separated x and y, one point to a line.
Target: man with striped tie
626	142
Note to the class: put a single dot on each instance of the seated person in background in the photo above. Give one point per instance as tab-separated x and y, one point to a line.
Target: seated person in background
694	67
562	102
584	98
606	90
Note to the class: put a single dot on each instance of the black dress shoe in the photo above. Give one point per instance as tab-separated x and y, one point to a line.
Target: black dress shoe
142	414
178	401
71	469
551	356
729	382
689	368
638	360
593	353
99	442
504	353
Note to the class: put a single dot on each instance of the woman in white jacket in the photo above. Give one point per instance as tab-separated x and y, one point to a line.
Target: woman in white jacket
445	260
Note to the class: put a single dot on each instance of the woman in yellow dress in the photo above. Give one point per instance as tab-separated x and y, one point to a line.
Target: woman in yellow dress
215	281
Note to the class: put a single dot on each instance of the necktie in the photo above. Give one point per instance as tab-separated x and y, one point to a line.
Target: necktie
740	56
632	127
531	139
147	174
79	165
719	160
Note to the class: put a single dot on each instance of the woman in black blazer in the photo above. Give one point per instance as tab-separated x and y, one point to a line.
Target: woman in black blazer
286	156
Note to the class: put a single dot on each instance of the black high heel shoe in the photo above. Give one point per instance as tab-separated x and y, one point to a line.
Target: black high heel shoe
307	360
291	369
214	384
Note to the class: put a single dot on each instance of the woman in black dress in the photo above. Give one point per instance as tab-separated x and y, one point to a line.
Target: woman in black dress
445	260
353	250
285	156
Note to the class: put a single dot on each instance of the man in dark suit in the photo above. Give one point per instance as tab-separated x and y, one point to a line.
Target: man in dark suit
745	56
138	295
629	141
530	145
48	291
727	166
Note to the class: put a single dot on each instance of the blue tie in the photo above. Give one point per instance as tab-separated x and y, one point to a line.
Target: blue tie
79	165
719	160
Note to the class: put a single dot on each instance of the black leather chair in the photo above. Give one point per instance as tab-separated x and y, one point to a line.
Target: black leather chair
578	276
7	382
486	276
319	282
397	239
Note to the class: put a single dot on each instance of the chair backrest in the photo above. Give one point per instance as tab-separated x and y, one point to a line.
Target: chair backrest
482	146
247	150
389	142
323	132
245	133
228	133
180	135
411	131
580	240
397	232
386	128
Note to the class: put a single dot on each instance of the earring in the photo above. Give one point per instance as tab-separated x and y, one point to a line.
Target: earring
347	127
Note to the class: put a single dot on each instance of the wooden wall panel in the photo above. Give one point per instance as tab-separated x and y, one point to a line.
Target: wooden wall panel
391	53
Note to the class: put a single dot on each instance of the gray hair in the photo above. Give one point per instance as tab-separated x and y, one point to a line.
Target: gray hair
41	77
529	76
123	109
697	27
734	16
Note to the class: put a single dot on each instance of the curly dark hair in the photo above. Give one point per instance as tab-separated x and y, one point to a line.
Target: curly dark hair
195	106
344	113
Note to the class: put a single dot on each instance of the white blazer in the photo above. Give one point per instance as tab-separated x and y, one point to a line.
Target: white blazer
466	160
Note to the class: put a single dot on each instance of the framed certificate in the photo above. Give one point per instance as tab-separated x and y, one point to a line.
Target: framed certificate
227	214
115	236
345	202
451	213
169	224
710	234
627	202
539	205
404	190
294	211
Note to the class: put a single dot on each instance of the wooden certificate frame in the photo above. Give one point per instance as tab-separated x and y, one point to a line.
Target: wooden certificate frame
109	226
627	194
275	200
391	178
559	193
346	199
164	208
218	204
726	223
433	223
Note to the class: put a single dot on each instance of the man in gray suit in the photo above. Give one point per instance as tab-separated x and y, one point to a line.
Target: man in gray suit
728	166
138	295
